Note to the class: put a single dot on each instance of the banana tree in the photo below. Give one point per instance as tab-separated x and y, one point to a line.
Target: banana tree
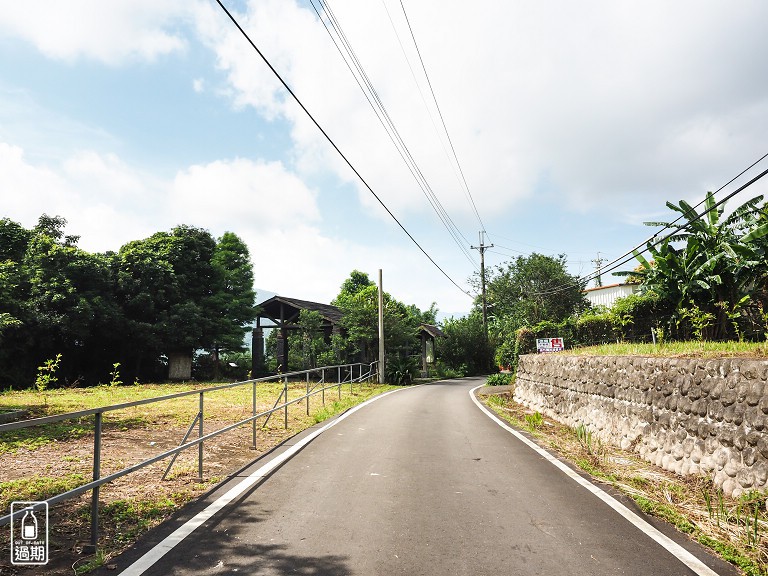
715	264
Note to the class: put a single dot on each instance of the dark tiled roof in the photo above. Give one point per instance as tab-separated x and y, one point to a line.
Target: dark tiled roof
272	308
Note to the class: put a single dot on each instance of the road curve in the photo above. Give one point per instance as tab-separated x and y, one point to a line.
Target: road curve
419	482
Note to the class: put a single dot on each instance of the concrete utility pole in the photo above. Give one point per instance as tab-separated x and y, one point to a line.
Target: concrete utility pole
381	329
482	248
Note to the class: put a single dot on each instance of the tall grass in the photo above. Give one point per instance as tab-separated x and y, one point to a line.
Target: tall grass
681	349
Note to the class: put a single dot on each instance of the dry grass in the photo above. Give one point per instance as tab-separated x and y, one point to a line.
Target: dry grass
736	529
48	460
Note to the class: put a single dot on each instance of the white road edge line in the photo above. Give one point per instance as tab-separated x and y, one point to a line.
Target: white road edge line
162	548
671	546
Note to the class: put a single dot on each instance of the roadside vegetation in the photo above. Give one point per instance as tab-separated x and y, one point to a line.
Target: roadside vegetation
678	349
41	462
735	529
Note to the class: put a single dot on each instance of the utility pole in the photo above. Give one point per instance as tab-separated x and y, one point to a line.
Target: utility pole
598	262
381	329
482	248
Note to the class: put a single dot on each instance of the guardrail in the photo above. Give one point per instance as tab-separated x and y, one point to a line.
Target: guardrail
344	373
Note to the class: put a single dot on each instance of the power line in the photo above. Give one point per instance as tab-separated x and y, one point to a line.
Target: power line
468	194
629	255
366	86
332	143
654	240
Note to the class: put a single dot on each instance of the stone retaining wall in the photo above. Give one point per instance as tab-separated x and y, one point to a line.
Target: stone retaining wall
688	416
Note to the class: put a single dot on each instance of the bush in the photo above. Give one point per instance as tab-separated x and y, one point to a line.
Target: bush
635	315
594	329
402	370
500	379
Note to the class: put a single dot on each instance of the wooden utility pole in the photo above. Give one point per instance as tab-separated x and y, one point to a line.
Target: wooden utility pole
482	248
381	329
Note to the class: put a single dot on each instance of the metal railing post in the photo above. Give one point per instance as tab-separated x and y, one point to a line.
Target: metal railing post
253	422
323	387
307	393
339	381
285	392
200	446
91	548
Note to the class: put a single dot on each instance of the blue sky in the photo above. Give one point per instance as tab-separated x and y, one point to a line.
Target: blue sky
572	122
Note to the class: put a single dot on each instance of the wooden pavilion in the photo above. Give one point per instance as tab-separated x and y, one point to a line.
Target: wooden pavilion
283	313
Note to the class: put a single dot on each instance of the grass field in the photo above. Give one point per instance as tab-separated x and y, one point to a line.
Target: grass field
39	462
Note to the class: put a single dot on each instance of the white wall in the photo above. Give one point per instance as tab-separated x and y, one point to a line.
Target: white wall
607	295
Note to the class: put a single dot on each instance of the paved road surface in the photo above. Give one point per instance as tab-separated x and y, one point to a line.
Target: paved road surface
419	482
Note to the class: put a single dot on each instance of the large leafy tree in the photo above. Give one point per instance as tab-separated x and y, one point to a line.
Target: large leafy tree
464	347
526	291
358	299
178	290
234	298
531	289
56	299
184	291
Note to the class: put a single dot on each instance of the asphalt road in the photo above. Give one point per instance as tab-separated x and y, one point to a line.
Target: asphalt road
419	482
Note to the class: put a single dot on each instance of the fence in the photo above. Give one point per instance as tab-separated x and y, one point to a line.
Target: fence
343	374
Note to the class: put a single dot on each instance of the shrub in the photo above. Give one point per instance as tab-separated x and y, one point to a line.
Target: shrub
401	370
594	329
500	379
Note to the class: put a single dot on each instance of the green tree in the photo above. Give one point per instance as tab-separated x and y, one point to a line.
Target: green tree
56	299
358	299
464	348
713	271
184	291
527	291
233	300
534	288
308	344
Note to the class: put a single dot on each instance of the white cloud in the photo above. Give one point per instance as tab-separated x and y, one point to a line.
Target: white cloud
110	32
615	106
242	193
29	190
102	199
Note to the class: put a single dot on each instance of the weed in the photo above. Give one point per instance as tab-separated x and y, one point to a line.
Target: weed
638	482
46	374
534	421
34	438
131	518
114	376
584	436
97	561
732	555
666	512
496	400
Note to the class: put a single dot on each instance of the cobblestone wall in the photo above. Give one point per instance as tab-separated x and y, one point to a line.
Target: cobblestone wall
688	416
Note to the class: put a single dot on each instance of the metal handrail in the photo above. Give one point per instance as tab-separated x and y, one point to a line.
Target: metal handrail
97	413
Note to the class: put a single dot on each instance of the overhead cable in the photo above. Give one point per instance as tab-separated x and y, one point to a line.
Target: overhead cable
466	190
372	96
333	144
654	240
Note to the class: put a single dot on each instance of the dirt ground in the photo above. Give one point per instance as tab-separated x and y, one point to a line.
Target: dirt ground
69	522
